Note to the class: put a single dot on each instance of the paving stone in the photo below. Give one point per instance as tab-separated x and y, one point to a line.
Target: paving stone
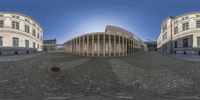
139	77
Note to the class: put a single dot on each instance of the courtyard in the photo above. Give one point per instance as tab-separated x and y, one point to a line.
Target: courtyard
148	76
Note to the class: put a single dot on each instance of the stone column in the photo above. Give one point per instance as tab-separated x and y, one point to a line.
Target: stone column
109	45
92	44
79	45
87	45
104	44
131	47
83	52
72	47
98	45
114	45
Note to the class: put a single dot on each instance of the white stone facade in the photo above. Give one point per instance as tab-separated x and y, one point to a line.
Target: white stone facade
180	34
12	25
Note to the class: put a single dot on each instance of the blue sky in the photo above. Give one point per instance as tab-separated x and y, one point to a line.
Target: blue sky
64	19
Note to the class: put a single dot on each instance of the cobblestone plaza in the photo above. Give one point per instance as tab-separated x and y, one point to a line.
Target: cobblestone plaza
148	76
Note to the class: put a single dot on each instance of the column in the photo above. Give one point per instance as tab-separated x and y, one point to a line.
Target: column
92	44
131	47
98	45
79	45
88	45
75	46
114	45
104	44
83	45
109	45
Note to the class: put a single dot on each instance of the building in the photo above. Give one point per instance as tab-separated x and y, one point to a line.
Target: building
114	41
151	45
19	34
180	34
49	45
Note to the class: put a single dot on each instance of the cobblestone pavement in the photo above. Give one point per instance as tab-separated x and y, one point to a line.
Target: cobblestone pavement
16	57
148	76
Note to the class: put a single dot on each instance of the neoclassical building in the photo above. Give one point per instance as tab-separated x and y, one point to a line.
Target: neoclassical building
180	34
19	34
114	41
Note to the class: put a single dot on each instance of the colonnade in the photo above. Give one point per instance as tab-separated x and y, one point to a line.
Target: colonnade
102	44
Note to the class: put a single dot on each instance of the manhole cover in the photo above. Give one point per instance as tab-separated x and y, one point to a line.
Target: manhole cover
55	69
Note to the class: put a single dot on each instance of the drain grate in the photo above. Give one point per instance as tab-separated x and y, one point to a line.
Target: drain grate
55	69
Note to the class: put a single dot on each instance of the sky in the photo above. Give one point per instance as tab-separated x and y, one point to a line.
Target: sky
65	19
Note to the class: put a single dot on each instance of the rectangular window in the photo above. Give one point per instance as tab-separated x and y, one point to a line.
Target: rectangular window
33	32
164	37
15	41
15	25
198	24
1	41
185	42
175	44
198	41
27	43
175	30
185	26
33	44
38	35
38	46
164	28
1	23
27	28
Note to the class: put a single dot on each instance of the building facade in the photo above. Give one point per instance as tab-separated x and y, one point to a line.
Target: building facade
151	45
180	34
114	41
50	45
19	34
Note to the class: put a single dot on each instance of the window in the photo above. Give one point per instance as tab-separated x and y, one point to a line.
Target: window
185	42
41	38
1	23
197	15
15	41
185	26
33	32
26	20
1	41
27	43
34	25
33	44
38	46
175	44
198	24
198	41
175	30
15	25
164	36
26	28
38	35
164	28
